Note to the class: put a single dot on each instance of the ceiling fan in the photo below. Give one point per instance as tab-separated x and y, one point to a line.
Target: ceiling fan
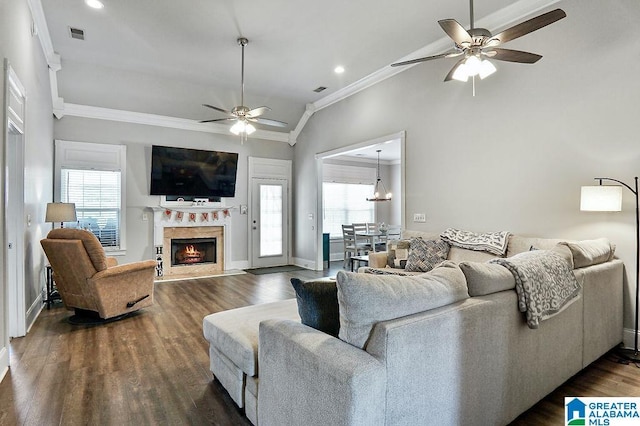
242	115
478	44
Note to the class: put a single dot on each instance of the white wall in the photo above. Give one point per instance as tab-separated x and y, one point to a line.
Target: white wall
25	56
138	139
513	157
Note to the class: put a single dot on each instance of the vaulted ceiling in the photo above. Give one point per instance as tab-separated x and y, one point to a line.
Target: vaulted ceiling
293	46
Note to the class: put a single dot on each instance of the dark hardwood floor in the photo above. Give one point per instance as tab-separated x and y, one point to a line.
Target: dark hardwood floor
153	367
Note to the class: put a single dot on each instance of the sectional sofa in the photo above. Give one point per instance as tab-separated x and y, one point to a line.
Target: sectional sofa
457	352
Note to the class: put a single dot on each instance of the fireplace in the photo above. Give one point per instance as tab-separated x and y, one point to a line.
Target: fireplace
189	251
193	251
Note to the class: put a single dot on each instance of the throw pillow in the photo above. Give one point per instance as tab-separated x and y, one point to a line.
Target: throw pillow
366	299
486	278
397	253
493	242
424	255
318	304
590	252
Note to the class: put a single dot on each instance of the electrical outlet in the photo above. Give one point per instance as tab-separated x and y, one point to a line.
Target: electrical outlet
419	217
145	216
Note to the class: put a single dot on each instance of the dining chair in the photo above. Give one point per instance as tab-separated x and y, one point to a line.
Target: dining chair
364	243
349	241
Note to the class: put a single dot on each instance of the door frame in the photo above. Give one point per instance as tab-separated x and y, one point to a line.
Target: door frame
269	168
339	151
15	111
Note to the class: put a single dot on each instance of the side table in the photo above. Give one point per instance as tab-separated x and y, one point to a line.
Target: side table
364	258
52	292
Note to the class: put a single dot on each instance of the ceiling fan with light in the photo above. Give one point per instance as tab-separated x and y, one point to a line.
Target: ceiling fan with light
478	44
242	115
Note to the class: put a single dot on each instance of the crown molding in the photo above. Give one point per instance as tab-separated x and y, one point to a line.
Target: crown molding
99	113
502	18
42	31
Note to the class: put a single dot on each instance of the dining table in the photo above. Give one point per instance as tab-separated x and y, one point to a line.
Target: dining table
372	236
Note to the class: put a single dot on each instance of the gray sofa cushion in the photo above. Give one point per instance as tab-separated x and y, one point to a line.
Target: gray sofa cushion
366	299
318	304
234	333
590	252
486	278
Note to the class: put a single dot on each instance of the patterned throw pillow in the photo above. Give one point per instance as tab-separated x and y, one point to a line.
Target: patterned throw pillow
424	255
397	253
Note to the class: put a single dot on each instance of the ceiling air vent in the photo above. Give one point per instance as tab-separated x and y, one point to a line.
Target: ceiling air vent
76	33
319	89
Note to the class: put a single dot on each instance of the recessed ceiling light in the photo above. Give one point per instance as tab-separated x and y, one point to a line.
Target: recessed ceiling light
339	69
96	4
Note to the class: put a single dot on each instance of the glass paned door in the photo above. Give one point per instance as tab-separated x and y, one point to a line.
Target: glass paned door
269	223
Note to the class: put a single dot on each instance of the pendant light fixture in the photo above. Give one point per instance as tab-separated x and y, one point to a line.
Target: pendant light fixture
380	193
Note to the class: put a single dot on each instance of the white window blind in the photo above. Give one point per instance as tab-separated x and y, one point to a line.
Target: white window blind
345	203
96	194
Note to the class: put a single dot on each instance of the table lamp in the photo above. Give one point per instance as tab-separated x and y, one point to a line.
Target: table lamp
61	212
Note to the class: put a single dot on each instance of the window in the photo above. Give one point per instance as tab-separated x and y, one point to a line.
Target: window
345	203
345	190
96	194
93	176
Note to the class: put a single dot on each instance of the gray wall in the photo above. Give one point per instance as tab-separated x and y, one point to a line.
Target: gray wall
138	139
513	157
26	57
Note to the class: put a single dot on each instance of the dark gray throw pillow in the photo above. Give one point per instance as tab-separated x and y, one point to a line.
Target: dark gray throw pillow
318	304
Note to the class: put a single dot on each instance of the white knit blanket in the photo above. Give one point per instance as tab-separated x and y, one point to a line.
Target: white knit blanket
544	283
492	242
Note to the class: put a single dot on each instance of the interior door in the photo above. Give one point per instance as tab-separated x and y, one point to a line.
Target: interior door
268	222
14	224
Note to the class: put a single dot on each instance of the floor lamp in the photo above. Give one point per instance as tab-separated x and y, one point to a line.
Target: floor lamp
608	198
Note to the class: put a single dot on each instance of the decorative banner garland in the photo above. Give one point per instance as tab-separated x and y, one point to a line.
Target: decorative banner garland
204	216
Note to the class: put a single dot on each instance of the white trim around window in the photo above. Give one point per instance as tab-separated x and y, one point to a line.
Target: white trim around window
94	156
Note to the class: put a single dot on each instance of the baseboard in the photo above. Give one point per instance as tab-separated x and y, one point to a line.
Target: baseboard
33	312
306	263
628	339
4	362
238	264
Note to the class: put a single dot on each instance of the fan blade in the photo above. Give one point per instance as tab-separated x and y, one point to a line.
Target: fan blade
511	55
449	76
526	27
217	119
268	122
257	111
456	31
217	109
449	54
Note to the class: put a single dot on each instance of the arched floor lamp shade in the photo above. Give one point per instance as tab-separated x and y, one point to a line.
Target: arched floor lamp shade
608	198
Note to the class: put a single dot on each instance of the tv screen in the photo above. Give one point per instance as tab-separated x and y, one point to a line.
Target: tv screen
193	172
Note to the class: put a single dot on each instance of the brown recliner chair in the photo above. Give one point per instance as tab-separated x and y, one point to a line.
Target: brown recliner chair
92	283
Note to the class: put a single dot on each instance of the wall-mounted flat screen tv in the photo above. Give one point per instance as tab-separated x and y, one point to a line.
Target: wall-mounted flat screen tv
193	172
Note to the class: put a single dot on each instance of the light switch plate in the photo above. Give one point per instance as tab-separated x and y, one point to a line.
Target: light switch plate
419	217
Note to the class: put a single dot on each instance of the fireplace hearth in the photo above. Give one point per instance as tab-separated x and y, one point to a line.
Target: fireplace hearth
189	251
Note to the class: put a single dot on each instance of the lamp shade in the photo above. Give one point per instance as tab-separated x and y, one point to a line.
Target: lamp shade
61	212
602	198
